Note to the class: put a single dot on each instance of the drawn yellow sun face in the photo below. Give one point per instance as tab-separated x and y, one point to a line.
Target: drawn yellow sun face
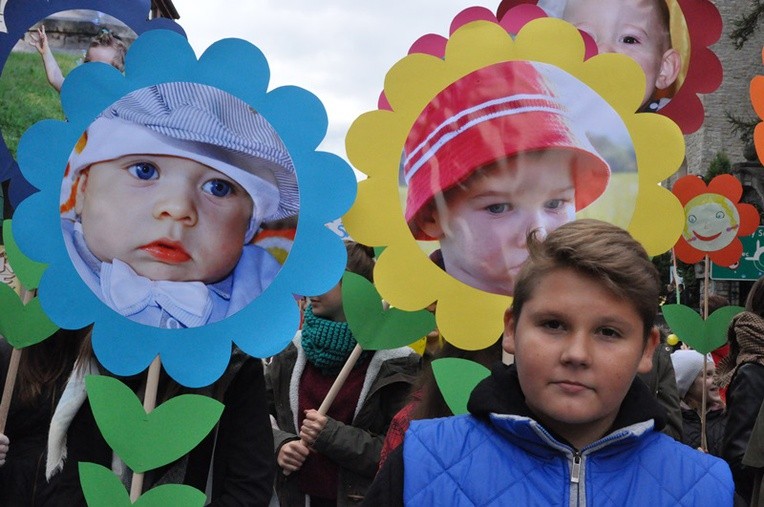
712	222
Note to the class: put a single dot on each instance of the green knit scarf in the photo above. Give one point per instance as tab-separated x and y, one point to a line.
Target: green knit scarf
327	344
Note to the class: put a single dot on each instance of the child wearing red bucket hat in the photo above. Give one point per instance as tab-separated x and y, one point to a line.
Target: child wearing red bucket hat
492	157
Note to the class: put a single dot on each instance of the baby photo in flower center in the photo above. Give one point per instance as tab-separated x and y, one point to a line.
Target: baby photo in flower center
162	197
509	149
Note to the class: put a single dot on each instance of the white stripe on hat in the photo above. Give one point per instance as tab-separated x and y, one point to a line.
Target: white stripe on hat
446	137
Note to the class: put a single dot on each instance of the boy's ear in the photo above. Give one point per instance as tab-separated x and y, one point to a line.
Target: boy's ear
646	361
428	221
508	339
81	183
671	62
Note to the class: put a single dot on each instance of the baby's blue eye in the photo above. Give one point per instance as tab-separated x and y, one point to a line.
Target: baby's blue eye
144	171
554	204
218	188
629	39
497	208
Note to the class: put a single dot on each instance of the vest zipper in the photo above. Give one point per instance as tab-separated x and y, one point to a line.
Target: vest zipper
575	472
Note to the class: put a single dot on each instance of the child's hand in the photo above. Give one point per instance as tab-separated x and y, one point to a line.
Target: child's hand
292	455
39	41
313	424
3	448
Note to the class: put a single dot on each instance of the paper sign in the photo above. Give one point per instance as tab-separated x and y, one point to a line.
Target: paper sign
694	26
195	356
404	276
714	218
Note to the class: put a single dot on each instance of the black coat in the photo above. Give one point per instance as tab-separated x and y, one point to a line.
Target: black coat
744	397
243	453
716	420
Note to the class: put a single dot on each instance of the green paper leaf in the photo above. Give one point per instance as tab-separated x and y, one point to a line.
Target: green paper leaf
22	325
172	495
28	271
149	441
456	379
703	336
378	251
717	324
102	488
375	328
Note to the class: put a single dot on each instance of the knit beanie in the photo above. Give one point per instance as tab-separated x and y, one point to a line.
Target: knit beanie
688	364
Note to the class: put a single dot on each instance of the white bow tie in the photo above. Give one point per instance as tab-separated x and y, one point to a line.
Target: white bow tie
128	293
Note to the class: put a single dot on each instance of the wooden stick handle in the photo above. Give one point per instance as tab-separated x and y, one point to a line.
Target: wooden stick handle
703	438
340	380
13	369
149	403
10	382
336	386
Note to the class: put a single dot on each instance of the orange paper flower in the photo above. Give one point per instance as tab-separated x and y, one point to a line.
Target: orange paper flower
714	218
757	99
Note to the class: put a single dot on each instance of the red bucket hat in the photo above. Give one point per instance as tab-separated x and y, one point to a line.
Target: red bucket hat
494	113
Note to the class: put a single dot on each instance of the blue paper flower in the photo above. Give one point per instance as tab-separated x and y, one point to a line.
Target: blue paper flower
19	16
195	356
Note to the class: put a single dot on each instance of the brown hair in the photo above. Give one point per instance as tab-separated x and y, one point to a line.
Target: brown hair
44	367
754	303
599	250
107	38
360	259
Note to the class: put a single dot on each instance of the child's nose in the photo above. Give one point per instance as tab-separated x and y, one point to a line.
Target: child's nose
576	350
176	204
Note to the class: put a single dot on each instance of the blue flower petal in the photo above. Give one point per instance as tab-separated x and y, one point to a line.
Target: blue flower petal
193	357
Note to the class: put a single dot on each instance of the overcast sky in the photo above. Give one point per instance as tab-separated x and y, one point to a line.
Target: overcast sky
340	50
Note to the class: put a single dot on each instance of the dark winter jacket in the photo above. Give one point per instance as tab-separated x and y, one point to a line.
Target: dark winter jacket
744	398
239	449
354	448
716	420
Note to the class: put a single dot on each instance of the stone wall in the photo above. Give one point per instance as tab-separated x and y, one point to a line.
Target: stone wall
740	66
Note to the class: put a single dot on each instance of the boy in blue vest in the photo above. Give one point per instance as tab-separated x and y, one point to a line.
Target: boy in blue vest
567	424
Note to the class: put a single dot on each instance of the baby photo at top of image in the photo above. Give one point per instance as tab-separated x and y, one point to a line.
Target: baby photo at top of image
640	29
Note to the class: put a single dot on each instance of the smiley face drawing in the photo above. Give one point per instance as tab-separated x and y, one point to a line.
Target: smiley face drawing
712	222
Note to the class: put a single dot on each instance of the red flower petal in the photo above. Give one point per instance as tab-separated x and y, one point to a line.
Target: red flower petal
749	219
687	187
726	185
687	254
728	255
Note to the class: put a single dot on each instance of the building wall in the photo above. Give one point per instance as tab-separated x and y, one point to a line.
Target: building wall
740	66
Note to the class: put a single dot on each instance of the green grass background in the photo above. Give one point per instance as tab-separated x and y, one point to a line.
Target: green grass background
26	95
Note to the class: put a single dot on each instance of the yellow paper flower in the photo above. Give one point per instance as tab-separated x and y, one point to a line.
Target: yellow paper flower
404	275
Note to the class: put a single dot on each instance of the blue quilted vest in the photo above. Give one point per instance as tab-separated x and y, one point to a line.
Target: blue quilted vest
513	460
